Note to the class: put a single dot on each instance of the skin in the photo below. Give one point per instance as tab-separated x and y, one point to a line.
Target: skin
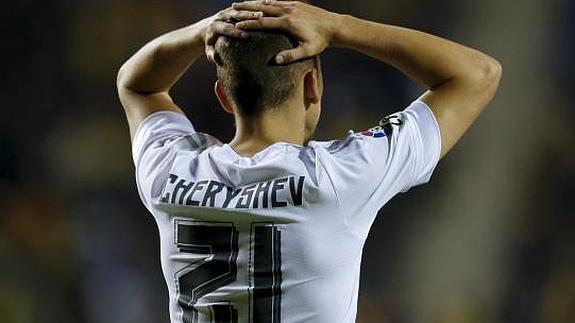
461	81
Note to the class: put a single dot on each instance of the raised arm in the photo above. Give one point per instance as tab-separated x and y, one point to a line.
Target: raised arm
461	81
145	80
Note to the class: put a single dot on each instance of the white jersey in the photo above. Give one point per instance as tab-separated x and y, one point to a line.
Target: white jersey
277	237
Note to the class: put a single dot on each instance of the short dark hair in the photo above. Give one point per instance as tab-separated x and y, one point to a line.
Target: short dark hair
248	73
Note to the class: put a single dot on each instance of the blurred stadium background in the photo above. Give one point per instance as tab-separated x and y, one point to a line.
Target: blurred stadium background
491	239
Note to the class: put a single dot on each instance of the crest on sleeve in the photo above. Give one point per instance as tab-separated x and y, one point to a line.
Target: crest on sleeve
385	127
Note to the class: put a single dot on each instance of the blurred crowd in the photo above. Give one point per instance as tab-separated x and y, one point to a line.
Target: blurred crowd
490	239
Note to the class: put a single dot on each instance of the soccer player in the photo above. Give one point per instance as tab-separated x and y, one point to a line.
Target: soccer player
270	227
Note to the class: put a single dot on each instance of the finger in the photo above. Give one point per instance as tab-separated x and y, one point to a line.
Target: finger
224	28
235	15
292	55
267	9
252	2
247	15
268	2
261	23
213	56
210	54
282	3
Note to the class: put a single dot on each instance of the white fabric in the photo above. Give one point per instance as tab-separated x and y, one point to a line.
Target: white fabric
184	177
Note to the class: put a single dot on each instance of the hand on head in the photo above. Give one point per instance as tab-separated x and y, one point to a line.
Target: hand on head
223	23
313	27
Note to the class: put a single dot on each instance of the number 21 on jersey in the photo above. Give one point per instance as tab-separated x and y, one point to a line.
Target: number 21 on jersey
217	244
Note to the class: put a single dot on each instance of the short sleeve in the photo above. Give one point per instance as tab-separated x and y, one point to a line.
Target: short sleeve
159	127
367	169
155	144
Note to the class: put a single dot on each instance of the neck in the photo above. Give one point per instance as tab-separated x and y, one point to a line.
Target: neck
254	134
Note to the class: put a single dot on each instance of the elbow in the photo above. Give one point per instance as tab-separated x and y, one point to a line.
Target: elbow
125	80
492	71
121	79
487	73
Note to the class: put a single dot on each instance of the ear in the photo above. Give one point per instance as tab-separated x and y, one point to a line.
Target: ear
223	98
311	83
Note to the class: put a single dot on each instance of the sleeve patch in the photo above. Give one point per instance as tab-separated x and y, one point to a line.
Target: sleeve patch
385	127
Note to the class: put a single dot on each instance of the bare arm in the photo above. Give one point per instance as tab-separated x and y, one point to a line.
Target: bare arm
145	80
460	81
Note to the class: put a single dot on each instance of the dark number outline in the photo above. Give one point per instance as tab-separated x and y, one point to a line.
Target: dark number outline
219	242
265	276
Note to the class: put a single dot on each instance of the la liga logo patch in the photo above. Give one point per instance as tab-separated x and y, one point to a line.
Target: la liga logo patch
375	132
385	127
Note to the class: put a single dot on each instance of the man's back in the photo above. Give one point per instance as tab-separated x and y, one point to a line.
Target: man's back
277	237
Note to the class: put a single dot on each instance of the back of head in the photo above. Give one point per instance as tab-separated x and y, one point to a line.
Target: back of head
249	75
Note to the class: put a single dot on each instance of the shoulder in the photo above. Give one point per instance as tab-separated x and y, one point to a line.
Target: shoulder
336	145
167	130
